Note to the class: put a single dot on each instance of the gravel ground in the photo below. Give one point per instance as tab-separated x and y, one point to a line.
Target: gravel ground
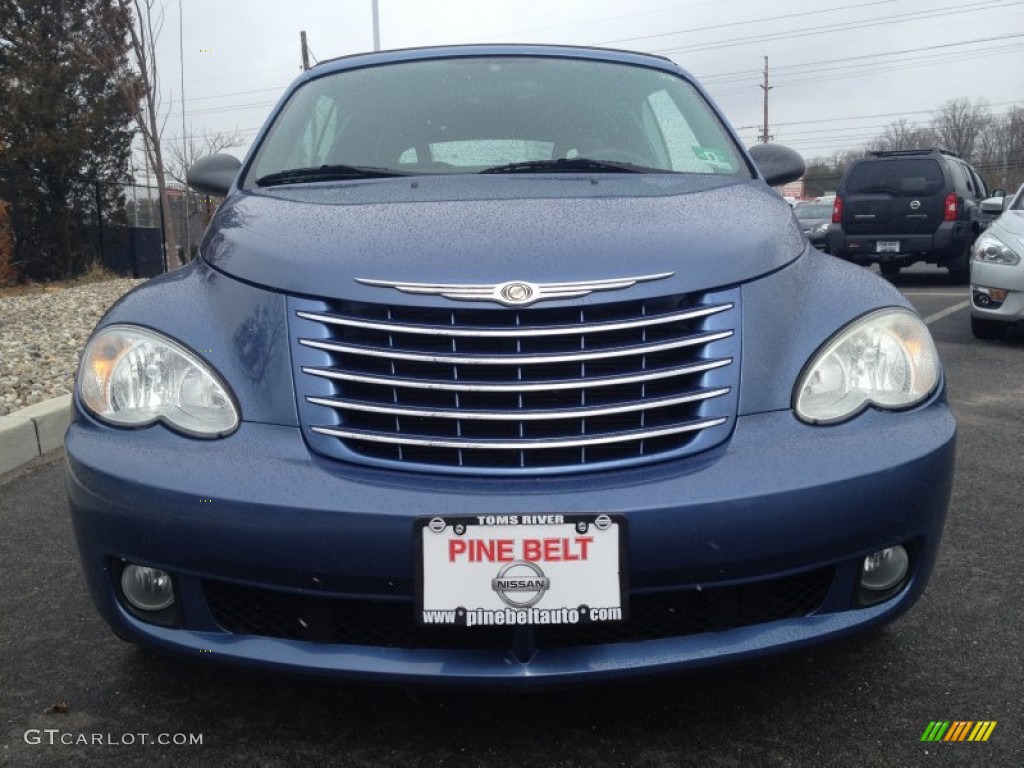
42	336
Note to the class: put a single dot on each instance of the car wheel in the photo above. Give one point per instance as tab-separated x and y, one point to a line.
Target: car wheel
960	276
987	329
890	268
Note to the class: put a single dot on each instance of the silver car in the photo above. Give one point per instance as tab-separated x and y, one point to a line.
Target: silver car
815	219
997	274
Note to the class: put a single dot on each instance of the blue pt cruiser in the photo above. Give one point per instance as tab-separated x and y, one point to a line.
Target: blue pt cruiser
504	365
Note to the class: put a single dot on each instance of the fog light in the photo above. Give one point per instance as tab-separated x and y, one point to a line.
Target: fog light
148	589
988	298
885	569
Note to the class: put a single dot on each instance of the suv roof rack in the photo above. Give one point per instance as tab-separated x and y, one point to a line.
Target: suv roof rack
898	152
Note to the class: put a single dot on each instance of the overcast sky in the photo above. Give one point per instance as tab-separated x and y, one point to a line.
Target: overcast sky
840	70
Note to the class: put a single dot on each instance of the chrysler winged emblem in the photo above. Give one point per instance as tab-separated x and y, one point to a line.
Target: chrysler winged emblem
515	293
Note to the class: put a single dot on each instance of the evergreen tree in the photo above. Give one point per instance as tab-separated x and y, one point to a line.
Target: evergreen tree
64	117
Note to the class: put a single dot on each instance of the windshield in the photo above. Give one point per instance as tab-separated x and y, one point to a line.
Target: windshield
813	211
494	114
1018	201
902	177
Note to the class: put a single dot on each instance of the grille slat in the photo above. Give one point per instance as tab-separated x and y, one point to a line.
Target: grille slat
515	331
517	415
516	389
519	444
517	359
582	382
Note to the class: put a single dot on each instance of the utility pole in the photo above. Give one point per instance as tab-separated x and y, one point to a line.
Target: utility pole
376	26
765	138
305	50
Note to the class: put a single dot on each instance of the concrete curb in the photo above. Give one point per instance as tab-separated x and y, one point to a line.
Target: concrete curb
33	431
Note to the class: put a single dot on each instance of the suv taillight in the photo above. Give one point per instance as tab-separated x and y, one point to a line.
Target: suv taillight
837	210
949	210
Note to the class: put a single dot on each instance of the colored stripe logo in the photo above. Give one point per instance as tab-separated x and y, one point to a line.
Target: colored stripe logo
958	730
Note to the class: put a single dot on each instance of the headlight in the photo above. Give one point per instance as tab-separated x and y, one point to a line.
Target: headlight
885	359
991	250
132	377
821	229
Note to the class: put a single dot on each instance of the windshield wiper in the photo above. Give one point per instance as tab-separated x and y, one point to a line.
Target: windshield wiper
326	173
878	188
567	165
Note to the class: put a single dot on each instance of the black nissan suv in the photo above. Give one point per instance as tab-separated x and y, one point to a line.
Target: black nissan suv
898	207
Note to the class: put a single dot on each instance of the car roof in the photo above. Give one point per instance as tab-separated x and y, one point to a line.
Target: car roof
355	60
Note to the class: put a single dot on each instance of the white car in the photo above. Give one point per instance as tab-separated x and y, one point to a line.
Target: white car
997	274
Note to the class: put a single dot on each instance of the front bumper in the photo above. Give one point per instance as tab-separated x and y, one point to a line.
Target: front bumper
1001	276
259	510
818	240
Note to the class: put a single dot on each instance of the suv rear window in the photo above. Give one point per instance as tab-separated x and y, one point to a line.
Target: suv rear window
463	115
903	177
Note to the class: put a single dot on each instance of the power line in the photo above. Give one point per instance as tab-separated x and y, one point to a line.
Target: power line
842	26
846	59
831	74
886	114
576	24
744	22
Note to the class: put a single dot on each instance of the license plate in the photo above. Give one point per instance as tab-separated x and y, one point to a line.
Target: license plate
887	246
494	570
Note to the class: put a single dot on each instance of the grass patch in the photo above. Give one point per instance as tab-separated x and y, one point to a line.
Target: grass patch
95	273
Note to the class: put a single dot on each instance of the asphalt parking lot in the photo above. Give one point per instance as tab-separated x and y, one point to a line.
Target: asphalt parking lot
72	694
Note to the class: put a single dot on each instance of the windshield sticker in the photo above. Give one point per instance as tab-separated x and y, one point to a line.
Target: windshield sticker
712	157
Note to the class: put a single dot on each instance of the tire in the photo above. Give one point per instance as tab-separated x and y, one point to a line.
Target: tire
960	276
960	266
890	268
988	329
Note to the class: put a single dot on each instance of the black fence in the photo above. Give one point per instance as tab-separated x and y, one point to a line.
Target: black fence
58	227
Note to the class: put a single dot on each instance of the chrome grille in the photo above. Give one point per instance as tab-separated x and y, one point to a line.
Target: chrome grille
514	390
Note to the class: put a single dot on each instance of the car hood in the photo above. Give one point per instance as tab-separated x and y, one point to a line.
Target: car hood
318	239
1011	222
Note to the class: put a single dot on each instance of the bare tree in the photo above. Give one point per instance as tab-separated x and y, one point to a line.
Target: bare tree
958	124
903	134
144	32
1000	151
183	154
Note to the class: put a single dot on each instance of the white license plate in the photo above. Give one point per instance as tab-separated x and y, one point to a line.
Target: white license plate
887	246
495	570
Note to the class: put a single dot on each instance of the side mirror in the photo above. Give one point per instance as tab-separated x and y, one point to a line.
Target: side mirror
213	175
778	164
998	193
994	205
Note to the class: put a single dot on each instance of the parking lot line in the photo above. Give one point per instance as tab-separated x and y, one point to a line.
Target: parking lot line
946	312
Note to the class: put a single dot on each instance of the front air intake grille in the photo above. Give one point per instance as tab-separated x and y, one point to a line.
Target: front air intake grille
516	390
391	623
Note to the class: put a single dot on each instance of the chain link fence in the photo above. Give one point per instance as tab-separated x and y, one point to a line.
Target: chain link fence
57	227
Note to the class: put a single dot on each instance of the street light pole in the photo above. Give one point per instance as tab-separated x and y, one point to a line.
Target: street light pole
376	26
184	137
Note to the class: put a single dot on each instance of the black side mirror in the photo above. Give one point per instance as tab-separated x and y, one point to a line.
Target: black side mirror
998	193
213	175
778	164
